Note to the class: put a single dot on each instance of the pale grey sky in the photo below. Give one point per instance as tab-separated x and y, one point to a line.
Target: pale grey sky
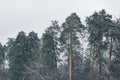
36	15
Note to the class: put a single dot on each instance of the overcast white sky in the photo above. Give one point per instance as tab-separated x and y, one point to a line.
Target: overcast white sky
36	15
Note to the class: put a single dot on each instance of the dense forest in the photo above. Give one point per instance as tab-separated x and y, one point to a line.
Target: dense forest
71	51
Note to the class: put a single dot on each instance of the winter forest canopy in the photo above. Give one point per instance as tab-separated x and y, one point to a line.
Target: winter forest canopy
71	51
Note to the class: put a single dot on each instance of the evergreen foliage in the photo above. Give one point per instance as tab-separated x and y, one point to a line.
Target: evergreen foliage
61	53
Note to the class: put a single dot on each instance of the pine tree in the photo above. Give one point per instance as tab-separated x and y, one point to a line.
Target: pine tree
98	27
115	62
71	44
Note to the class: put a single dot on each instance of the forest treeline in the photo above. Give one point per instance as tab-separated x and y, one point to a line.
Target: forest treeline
71	51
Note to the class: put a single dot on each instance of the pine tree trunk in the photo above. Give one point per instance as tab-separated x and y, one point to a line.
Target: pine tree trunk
70	67
70	57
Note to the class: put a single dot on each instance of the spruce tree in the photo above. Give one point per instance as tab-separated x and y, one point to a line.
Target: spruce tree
2	62
17	58
50	51
32	50
2	57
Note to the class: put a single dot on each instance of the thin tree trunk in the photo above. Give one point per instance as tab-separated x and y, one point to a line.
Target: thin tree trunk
100	66
110	52
70	57
70	67
100	71
91	70
110	58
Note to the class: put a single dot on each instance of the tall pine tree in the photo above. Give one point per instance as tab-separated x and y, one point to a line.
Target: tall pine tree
98	27
71	44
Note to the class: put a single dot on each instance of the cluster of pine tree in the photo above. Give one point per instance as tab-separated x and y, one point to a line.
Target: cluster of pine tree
72	51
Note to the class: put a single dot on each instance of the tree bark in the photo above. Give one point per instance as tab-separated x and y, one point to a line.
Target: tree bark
100	66
110	52
70	56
